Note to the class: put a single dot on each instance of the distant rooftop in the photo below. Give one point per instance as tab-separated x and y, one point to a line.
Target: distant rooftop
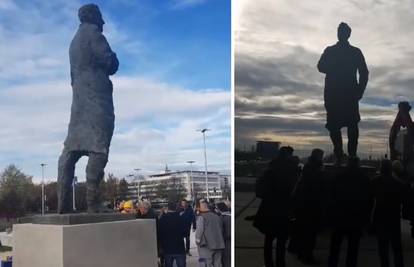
178	172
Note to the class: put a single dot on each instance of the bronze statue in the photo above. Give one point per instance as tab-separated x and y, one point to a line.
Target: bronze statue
340	63
92	114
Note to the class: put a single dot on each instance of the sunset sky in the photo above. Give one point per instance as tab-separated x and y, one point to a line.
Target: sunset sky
279	92
174	78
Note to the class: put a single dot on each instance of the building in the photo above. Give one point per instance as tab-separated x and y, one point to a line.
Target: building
180	184
267	149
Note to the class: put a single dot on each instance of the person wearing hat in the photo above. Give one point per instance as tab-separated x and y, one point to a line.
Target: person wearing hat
341	62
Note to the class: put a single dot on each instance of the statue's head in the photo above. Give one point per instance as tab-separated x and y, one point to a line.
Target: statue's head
404	106
90	13
344	32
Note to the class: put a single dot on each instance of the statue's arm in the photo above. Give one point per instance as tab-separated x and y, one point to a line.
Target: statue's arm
363	74
103	54
323	64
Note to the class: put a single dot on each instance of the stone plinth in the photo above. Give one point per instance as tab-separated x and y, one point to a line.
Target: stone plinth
79	218
128	243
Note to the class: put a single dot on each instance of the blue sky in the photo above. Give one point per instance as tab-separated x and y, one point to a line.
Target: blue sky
174	78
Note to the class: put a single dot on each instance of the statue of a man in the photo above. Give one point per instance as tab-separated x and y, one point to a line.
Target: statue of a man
340	63
92	114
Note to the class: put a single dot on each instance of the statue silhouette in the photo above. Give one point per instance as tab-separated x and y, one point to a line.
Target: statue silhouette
340	63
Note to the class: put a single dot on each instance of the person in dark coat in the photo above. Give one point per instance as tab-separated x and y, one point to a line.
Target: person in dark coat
400	173
350	211
272	218
390	194
189	218
340	63
171	229
310	198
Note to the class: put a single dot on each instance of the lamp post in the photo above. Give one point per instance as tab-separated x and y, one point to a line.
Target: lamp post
137	182
75	180
203	131
43	187
191	179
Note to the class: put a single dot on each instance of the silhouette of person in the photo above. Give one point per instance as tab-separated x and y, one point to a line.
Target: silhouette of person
272	218
390	194
309	199
350	211
340	63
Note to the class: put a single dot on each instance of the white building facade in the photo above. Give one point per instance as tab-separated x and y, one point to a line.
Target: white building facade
187	184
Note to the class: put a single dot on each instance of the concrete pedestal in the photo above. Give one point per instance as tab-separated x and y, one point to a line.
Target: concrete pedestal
129	243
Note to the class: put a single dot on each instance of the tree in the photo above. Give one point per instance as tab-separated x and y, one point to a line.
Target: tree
176	191
161	191
16	190
111	189
51	196
123	189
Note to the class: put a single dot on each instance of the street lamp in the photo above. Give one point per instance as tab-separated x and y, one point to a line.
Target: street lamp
75	180
43	187
203	131
132	177
136	182
191	179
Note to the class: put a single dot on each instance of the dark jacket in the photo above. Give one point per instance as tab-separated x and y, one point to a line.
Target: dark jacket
351	200
226	218
340	63
171	232
390	195
188	217
310	195
277	184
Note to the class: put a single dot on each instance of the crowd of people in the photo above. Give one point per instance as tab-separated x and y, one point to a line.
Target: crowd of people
211	223
297	203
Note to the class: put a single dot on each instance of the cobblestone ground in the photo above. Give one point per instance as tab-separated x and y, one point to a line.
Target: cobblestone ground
249	241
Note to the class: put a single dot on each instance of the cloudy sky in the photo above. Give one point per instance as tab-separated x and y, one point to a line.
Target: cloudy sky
174	78
279	92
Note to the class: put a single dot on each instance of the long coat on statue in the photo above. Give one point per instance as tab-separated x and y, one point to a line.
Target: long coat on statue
92	114
340	63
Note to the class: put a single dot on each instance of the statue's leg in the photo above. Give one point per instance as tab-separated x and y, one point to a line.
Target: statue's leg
94	176
336	137
353	134
66	172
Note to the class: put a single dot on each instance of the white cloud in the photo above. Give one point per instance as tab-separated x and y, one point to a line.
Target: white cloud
178	4
155	122
277	47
